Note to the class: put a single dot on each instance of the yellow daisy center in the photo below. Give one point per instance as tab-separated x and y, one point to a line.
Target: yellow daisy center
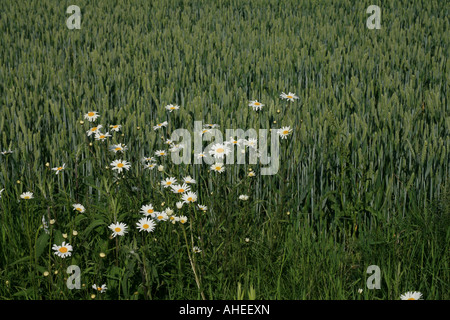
172	108
59	168
94	129
180	190
102	136
150	211
411	299
189	199
91	114
290	97
62	249
285	131
78	209
218	168
169	182
145	226
182	221
118	148
26	197
117	229
99	288
220	150
160	217
257	103
120	165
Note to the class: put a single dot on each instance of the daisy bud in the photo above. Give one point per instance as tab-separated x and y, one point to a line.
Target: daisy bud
90	144
139	128
18	181
52	221
46	273
56	272
278	111
275	121
47	164
161	168
102	255
81	122
247	240
162	204
75	232
123	134
179	204
92	296
64	235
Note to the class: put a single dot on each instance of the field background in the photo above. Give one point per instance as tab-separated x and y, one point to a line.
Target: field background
364	176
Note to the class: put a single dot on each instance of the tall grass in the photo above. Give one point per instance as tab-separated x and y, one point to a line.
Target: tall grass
364	176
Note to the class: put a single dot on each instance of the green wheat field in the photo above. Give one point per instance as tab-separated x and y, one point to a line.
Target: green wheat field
87	178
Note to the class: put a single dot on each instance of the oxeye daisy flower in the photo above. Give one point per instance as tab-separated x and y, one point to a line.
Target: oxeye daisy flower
101	136
219	150
79	207
115	127
251	174
160	153
63	251
27	195
183	219
172	107
175	147
218	167
161	216
5	152
146	224
189	197
200	155
168	182
100	289
118	148
411	296
243	197
256	105
290	96
196	249
284	132
148	159
94	130
180	188
173	219
119	229
234	142
189	180
58	169
252	143
179	204
160	125
91	116
119	165
150	166
202	208
168	211
148	210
